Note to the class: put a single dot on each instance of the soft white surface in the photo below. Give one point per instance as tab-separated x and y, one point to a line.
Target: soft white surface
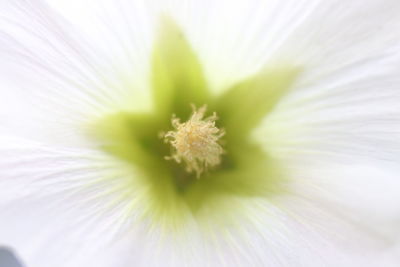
337	132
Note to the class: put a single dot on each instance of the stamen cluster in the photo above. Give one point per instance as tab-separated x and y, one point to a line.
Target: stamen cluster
196	142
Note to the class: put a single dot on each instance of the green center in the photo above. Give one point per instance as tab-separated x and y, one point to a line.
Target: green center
178	81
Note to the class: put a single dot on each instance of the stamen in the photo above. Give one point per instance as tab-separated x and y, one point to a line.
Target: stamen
196	142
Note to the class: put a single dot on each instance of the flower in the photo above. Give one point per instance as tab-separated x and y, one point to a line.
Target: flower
296	110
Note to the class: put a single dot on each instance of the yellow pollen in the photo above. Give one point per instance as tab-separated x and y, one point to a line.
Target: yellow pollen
196	142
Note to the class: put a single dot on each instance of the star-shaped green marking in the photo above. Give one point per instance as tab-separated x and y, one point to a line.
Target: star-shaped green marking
178	81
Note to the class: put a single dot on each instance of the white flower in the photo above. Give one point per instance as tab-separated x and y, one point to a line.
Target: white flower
307	92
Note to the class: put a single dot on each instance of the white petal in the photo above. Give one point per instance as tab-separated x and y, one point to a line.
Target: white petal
61	206
338	130
57	79
235	39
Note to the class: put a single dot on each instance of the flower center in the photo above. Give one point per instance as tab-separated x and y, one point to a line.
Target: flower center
164	191
196	142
